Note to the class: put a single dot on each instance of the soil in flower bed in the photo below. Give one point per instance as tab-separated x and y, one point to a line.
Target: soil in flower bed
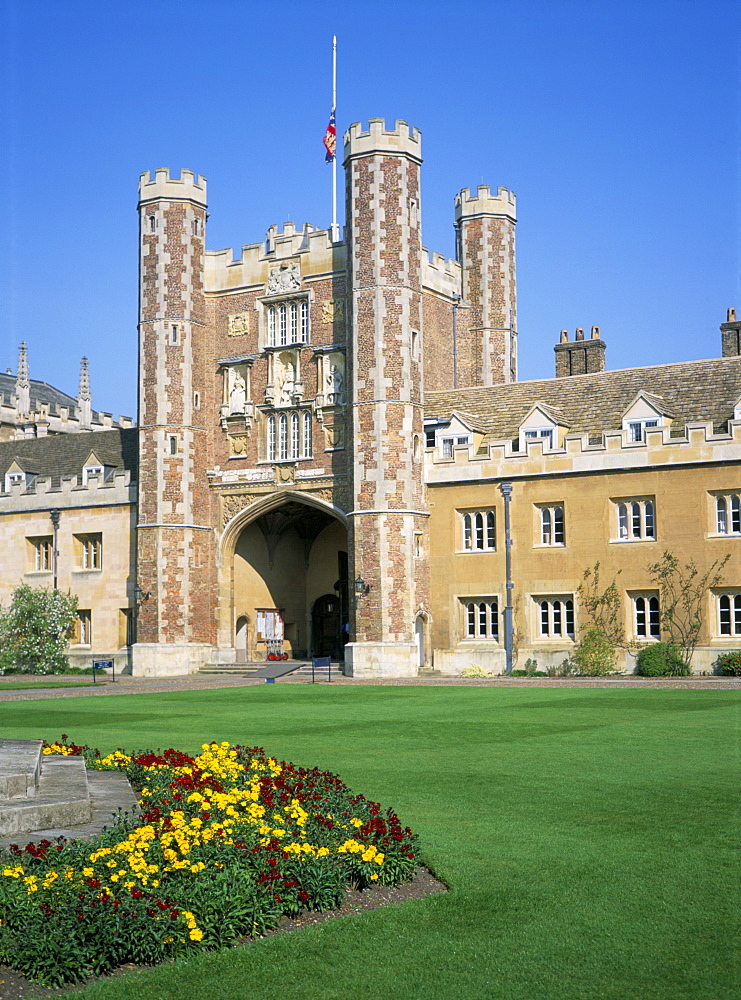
14	986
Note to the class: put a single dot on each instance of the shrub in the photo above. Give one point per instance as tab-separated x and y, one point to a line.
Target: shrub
595	655
729	664
661	659
476	671
34	631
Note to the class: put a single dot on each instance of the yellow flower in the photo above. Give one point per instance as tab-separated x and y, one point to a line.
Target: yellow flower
87	872
196	934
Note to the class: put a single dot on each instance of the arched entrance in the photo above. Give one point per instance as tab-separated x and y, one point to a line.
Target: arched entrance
420	639
287	559
240	639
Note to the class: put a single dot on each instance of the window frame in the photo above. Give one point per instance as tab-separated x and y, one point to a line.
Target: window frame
480	619
733	599
90	551
83	627
637	428
727	510
553	536
646	615
478	530
555	618
635	519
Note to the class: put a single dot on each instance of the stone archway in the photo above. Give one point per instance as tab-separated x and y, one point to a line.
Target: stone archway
278	558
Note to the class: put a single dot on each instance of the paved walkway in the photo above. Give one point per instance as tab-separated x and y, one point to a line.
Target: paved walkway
199	682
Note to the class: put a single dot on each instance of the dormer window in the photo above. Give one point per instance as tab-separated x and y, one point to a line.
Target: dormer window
14	477
646	411
91	470
545	424
544	434
447	435
448	443
637	428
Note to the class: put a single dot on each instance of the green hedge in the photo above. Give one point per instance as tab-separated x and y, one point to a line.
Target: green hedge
661	660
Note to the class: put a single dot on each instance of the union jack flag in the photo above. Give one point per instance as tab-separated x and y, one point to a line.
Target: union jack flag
330	138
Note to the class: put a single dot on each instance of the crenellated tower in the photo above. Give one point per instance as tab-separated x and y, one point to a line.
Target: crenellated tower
485	234
174	546
388	519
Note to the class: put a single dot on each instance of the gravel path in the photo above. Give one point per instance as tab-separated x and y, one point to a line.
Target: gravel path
201	682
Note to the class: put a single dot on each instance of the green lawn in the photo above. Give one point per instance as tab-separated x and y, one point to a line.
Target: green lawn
588	838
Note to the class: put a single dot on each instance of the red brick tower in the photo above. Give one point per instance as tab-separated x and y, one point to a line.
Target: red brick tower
175	627
388	519
487	341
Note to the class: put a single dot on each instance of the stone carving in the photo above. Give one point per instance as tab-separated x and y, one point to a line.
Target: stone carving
333	311
238	324
286	278
232	504
238	445
285	473
334	436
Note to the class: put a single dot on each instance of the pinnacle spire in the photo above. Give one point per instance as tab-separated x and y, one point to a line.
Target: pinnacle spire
84	406
22	385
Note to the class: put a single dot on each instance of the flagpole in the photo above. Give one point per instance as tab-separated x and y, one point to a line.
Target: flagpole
335	228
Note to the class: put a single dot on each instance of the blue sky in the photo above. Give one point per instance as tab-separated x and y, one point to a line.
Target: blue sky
618	126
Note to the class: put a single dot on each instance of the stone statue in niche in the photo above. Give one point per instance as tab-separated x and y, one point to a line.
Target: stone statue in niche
287	378
334	378
286	278
238	324
237	391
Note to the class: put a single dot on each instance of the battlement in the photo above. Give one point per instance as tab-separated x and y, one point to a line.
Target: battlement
224	270
440	274
700	444
403	139
118	490
167	188
502	204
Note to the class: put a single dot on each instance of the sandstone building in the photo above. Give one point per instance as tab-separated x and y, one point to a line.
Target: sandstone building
324	430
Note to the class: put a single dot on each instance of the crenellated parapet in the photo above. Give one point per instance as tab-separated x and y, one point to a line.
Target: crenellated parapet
503	204
318	255
440	274
164	187
699	444
403	139
118	490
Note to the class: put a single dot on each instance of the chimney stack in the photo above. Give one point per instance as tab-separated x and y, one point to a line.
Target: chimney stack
730	333
580	356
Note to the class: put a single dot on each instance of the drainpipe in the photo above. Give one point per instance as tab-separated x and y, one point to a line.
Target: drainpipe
456	307
54	515
506	488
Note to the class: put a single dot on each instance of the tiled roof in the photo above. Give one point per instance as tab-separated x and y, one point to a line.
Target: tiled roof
65	454
41	392
690	390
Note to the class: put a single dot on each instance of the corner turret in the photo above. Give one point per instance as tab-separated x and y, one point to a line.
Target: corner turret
485	246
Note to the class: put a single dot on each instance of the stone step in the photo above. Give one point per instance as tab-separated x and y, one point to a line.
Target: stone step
62	799
20	767
110	794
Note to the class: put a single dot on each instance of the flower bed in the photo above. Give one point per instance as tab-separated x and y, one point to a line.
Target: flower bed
225	844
